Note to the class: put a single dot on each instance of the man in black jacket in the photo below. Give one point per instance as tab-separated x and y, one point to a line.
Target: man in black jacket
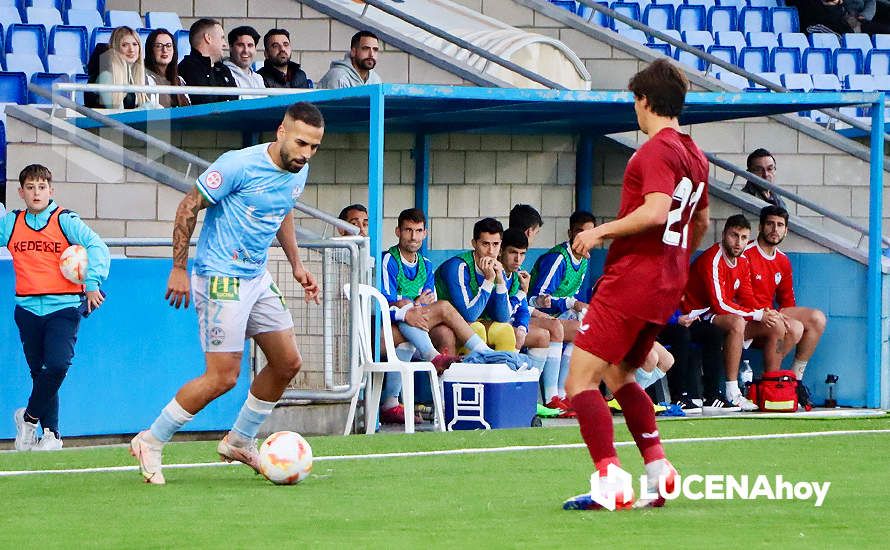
203	65
278	70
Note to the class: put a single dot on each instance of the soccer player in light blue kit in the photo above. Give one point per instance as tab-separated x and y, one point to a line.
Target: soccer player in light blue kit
249	196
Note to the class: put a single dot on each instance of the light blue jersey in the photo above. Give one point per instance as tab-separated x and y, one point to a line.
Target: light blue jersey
249	197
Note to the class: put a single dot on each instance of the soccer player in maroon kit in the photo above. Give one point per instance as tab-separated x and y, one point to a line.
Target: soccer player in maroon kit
664	192
771	281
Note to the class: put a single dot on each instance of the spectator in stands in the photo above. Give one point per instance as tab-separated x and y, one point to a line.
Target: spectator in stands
839	16
357	215
278	70
357	67
122	64
772	283
161	69
525	218
719	291
473	282
762	163
203	65
242	50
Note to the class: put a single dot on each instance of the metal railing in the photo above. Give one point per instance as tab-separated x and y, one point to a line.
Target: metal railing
713	60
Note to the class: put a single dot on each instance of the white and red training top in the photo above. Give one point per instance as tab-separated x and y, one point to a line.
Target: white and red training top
723	287
771	279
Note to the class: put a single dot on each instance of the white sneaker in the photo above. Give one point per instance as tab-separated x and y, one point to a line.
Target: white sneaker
25	432
248	454
148	452
743	403
49	442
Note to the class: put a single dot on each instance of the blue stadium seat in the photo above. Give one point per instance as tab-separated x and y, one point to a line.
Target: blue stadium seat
722	18
13	87
659	16
731	38
826	83
754	60
663	49
120	18
44	16
797	82
100	35
731	78
98	5
45	80
68	40
754	19
673	33
877	62
592	16
708	4
735	3
698	38
634	34
26	38
143	37
568	5
627	9
775	78
784	20
825	40
794	40
183	46
726	53
882	41
763	3
859	41
859	83
762	39
55	4
882	82
691	18
690	59
784	60
817	61
88	19
9	16
847	61
27	63
68	64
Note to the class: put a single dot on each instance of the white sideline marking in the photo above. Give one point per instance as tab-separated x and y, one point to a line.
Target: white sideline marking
484	450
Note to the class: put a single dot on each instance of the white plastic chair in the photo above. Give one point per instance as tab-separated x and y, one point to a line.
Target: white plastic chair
373	371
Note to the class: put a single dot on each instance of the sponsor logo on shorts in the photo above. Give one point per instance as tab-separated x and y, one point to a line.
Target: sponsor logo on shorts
213	180
225	288
217	335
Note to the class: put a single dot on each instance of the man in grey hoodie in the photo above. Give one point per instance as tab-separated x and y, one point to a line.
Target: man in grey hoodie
357	67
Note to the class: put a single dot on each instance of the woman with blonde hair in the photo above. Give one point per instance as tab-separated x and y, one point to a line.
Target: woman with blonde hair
122	64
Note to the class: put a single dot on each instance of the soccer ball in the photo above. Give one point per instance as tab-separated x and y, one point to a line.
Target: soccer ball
73	263
285	458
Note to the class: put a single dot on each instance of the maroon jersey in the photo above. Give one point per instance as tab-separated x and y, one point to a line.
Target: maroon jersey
771	278
645	273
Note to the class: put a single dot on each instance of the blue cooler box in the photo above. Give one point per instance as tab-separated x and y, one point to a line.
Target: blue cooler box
489	396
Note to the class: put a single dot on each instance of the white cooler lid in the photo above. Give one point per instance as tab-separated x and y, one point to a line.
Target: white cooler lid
495	372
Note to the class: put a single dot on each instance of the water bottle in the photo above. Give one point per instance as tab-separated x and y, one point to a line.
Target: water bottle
746	376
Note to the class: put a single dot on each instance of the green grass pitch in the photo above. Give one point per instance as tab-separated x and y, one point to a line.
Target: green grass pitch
491	500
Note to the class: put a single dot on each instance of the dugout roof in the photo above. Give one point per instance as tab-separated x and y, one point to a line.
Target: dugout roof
436	109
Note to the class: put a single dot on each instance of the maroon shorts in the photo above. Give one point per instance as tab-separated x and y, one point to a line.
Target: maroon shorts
614	336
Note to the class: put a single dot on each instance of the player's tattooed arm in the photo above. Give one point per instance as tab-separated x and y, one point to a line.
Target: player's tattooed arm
184	225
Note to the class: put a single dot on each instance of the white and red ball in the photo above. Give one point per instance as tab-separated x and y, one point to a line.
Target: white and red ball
73	263
285	458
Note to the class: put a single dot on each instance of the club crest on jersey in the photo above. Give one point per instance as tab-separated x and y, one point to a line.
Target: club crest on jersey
213	180
736	284
778	278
